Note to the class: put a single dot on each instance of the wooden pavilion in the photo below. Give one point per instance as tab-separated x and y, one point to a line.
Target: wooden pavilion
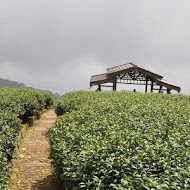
130	73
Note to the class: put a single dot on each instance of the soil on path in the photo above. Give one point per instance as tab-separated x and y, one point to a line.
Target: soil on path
32	168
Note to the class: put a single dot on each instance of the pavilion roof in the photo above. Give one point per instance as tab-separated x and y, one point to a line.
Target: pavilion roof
113	72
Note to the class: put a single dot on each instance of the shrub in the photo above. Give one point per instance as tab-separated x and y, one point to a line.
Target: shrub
16	104
24	102
9	129
119	140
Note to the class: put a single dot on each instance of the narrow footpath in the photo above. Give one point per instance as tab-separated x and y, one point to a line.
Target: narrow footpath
32	168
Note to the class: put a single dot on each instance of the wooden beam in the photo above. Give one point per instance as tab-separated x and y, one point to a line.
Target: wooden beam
156	89
101	82
132	83
167	85
106	86
159	89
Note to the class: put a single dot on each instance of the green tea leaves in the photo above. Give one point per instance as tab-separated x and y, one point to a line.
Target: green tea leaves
119	140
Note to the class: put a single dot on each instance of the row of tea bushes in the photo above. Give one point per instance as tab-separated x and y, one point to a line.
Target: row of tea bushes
71	101
119	140
15	106
24	102
9	130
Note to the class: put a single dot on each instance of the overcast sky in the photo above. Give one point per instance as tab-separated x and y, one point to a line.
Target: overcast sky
59	44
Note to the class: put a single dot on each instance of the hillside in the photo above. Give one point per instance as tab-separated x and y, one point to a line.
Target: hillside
10	83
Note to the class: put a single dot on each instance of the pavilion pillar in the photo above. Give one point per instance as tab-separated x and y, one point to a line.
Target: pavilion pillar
146	86
99	87
114	85
160	90
152	85
168	90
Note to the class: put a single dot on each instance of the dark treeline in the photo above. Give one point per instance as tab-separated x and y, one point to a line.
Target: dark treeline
6	82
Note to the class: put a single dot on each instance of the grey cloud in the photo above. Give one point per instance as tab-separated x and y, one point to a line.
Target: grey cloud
43	40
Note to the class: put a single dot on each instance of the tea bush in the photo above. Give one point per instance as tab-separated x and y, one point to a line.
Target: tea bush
9	129
24	102
119	140
16	104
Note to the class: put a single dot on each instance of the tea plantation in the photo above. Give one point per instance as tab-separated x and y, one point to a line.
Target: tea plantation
24	102
15	106
120	140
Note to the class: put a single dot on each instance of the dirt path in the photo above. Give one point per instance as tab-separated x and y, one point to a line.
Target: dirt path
32	167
